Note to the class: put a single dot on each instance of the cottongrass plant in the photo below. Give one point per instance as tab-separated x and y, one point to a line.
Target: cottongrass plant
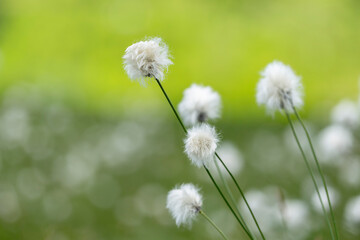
185	203
150	59
200	145
200	104
147	59
280	89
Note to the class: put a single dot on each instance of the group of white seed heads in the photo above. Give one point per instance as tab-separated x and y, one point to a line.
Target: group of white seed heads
279	89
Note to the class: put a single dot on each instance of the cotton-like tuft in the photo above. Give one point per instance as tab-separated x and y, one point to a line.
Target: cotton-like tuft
296	214
335	141
333	194
199	104
279	88
148	58
346	113
200	144
352	215
184	203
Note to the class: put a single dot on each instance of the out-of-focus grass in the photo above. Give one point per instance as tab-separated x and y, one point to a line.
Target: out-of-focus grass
78	45
88	154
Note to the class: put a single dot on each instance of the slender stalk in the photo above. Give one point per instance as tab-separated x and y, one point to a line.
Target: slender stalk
319	169
171	105
208	172
213	224
227	203
242	195
310	171
228	191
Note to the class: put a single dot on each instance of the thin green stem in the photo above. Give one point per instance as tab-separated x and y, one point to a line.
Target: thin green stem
310	171
208	172
242	195
227	203
213	224
319	169
171	105
228	191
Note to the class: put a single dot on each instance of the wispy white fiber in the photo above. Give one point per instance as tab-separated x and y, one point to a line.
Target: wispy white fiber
184	203
279	88
199	104
148	58
200	144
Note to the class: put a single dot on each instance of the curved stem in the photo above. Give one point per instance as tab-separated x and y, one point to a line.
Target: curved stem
227	203
213	224
311	172
319	169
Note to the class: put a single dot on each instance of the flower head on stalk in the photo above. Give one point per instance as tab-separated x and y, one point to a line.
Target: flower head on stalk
200	144
279	88
184	203
148	58
199	104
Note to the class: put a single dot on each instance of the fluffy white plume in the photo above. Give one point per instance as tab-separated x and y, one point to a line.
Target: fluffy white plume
184	203
279	88
200	144
335	141
296	214
199	104
352	215
147	59
333	194
346	113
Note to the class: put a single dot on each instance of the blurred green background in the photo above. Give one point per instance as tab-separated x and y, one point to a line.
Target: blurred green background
88	154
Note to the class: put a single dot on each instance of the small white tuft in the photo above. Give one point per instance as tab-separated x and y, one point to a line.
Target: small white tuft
296	214
199	104
334	198
352	215
200	144
184	203
279	88
335	141
346	113
147	59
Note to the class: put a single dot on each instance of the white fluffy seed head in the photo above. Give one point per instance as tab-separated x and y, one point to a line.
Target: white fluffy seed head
296	213
352	215
334	198
184	203
200	144
346	113
199	104
279	88
335	141
148	58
